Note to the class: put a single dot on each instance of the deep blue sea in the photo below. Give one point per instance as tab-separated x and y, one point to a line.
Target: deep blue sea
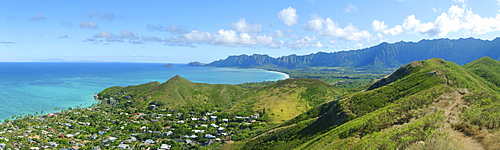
26	88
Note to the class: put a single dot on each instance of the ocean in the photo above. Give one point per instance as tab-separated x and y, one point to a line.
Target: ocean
27	88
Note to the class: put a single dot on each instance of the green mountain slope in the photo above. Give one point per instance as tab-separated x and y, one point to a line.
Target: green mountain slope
486	68
384	55
430	103
277	102
287	99
176	93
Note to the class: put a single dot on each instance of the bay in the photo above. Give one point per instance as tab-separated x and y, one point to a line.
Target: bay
27	88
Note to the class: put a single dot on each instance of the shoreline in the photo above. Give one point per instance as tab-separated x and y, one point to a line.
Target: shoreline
287	76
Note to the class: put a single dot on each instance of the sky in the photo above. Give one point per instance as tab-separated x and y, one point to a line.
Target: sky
167	31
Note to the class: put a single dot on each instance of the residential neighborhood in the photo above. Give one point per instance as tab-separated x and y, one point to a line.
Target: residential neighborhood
105	126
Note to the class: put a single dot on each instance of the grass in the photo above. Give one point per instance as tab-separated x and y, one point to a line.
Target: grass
396	115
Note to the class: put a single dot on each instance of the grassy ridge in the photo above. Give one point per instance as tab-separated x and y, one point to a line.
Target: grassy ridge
486	68
411	106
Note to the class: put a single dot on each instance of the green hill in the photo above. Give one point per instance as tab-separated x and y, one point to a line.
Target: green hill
277	102
486	68
287	99
432	103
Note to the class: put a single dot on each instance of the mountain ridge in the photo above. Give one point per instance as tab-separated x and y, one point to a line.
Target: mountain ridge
460	51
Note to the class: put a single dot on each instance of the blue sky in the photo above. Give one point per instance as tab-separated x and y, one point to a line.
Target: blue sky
184	31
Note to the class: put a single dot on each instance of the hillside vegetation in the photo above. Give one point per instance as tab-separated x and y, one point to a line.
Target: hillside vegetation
432	103
276	102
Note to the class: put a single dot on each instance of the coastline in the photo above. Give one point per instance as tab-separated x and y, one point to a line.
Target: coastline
287	76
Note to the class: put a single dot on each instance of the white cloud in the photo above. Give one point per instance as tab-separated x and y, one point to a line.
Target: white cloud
222	37
306	42
394	31
380	36
104	34
314	24
114	40
151	39
455	20
7	42
176	29
358	45
88	24
288	16
416	26
243	26
37	17
379	25
328	28
350	8
109	17
171	28
129	35
278	33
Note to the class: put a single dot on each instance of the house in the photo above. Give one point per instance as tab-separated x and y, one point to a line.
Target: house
198	131
168	133
149	141
123	146
165	146
112	139
210	136
204	118
2	145
225	120
52	144
94	136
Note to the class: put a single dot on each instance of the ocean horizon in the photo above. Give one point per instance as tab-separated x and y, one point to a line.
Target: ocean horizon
31	87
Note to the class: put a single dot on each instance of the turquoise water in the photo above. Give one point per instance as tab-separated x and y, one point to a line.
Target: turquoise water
27	88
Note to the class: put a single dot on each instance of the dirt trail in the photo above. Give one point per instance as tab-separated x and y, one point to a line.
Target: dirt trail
458	138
